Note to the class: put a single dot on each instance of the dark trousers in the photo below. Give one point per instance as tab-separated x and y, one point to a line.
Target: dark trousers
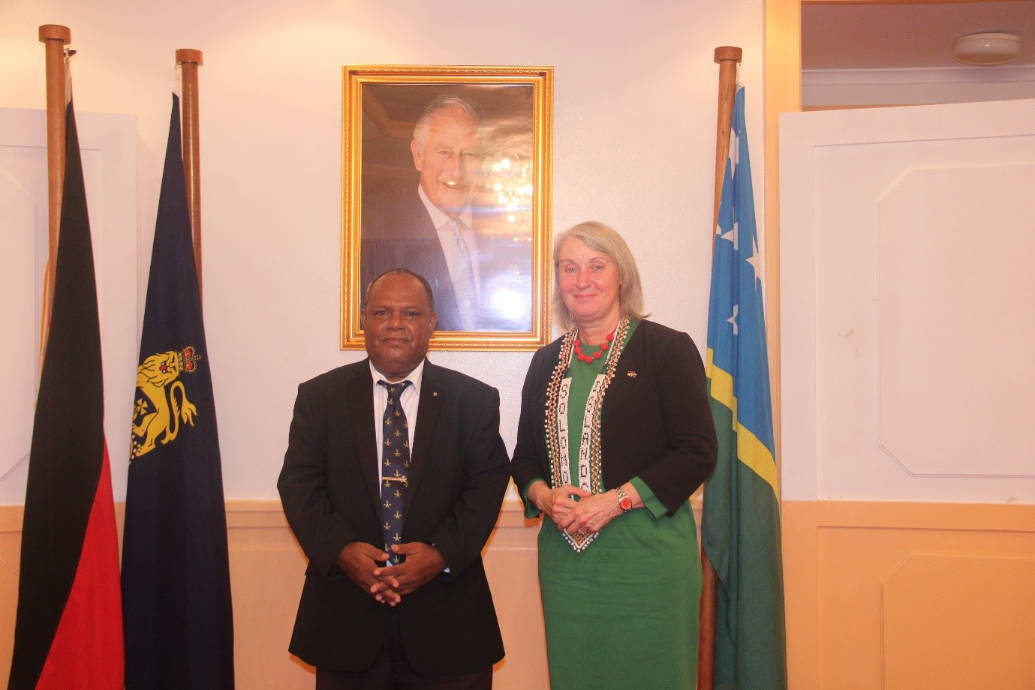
392	671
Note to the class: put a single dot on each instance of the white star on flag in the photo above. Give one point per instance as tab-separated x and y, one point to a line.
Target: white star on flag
755	260
733	236
733	319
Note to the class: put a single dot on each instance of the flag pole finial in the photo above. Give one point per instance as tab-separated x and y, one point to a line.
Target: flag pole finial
723	53
191	55
55	32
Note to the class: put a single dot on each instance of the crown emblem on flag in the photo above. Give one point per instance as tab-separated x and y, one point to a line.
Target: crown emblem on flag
188	359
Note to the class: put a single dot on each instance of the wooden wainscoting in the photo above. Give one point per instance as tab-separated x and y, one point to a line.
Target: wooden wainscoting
266	571
902	596
10	557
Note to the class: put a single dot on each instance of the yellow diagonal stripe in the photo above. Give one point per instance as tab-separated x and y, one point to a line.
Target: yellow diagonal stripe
750	451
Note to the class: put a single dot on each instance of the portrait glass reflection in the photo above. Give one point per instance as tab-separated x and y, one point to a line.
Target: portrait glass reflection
448	176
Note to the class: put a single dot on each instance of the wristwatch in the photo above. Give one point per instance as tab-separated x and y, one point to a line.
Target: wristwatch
624	502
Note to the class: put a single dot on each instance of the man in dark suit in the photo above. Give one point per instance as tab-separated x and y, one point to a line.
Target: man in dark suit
395	594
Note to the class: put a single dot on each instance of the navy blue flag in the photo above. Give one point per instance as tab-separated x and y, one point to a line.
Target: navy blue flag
175	571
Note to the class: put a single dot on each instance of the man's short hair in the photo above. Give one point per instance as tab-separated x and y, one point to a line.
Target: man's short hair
445	103
423	281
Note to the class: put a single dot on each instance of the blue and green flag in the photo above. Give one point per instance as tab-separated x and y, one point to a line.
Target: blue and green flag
741	526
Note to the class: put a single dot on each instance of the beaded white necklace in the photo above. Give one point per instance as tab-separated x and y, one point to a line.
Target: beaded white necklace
556	423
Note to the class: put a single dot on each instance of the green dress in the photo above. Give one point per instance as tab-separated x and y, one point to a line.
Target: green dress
623	613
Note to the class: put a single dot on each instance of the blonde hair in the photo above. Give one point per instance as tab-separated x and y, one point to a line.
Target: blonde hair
602	238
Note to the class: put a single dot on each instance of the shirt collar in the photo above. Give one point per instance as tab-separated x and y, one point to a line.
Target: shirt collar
438	218
414	377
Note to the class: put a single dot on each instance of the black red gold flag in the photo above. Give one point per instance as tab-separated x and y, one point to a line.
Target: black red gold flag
68	632
175	570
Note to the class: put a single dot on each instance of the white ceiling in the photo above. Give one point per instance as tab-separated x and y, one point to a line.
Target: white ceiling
888	36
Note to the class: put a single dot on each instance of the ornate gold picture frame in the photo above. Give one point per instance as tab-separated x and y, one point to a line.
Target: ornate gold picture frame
446	171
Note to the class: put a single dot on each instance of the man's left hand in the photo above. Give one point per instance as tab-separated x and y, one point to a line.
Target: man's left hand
423	563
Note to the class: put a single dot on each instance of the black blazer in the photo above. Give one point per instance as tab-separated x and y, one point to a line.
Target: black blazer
329	489
656	422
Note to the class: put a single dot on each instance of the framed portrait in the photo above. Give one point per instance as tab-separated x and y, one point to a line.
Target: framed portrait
446	172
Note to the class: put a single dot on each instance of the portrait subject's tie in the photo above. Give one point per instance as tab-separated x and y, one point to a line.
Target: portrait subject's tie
463	276
395	468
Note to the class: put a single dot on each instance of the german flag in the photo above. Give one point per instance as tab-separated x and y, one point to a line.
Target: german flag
68	632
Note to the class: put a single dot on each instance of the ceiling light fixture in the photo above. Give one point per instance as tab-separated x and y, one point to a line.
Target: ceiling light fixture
987	49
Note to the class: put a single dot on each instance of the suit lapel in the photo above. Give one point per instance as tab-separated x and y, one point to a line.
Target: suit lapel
359	392
428	409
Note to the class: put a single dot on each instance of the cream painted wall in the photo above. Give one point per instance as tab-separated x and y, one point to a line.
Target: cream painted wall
634	122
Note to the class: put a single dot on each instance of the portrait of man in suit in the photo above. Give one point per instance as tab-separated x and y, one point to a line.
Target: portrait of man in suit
392	482
455	222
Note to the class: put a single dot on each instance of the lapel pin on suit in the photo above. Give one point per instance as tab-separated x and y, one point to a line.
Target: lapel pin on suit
631	374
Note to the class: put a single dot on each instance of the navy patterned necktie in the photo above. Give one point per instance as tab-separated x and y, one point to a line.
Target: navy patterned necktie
395	468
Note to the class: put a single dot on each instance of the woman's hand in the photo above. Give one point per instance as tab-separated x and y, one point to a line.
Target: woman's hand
557	503
589	514
592	513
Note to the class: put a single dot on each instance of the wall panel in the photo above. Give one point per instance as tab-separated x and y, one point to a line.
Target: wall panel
266	574
908	497
909	595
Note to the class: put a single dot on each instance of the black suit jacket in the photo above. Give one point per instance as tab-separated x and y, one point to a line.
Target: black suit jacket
329	489
656	422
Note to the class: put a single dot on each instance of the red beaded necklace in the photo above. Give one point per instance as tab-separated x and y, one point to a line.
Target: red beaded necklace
596	355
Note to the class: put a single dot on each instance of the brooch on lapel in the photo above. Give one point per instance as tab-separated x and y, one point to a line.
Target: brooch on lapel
631	374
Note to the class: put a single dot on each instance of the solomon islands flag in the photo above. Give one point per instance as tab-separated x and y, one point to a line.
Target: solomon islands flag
741	525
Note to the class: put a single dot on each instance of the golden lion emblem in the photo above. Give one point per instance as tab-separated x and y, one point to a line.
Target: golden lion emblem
158	412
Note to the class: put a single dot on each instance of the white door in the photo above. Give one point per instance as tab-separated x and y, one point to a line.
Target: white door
908	303
908	415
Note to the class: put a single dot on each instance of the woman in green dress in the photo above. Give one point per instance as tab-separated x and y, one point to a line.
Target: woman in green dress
615	435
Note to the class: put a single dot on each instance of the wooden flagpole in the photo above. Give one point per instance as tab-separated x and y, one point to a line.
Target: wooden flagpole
189	60
727	57
55	38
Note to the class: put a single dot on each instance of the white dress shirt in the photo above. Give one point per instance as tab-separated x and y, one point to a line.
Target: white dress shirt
409	400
